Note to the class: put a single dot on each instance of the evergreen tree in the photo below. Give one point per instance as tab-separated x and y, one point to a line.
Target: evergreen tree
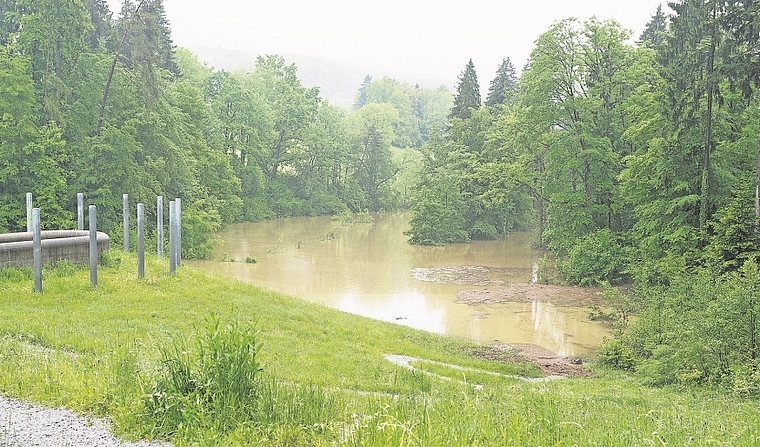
361	95
148	47
9	20
468	93
504	85
149	41
101	20
656	28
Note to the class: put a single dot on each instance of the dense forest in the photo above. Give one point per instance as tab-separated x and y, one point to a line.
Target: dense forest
637	163
104	104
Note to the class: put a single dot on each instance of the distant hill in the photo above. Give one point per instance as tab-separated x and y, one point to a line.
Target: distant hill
337	82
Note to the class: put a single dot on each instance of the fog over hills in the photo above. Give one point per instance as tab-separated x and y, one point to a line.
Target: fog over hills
337	82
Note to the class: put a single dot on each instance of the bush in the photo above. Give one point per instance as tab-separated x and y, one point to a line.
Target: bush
595	258
256	209
16	275
199	224
216	386
612	352
436	223
483	231
745	380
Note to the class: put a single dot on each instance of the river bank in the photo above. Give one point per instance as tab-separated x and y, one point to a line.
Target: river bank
325	379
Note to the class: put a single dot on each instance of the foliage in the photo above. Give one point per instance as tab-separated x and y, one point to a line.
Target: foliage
467	97
216	383
372	163
614	353
504	86
438	215
199	222
700	328
31	156
596	258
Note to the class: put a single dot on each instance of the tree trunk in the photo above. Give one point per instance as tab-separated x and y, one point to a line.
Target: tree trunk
757	187
705	184
58	58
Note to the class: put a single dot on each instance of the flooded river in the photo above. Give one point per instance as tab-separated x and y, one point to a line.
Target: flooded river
369	269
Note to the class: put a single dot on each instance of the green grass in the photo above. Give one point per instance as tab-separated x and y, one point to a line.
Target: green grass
468	375
324	380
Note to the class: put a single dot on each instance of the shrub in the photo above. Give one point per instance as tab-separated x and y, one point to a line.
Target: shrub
484	231
16	275
612	352
595	258
215	386
199	224
745	380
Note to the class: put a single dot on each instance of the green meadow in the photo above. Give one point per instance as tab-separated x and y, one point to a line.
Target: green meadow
199	359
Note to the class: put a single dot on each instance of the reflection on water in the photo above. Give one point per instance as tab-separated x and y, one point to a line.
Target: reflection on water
408	308
370	269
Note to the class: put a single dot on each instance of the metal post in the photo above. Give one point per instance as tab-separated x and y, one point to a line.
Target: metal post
37	249
140	240
178	248
160	226
93	246
80	211
172	237
28	212
125	214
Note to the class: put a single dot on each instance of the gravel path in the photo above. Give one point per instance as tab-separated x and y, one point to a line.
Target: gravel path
26	425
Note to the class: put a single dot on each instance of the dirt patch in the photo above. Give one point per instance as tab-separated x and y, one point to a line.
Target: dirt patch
473	275
526	293
551	364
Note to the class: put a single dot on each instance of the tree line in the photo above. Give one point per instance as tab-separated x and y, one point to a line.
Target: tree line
105	104
638	164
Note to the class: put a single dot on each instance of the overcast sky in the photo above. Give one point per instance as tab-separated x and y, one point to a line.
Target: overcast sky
426	38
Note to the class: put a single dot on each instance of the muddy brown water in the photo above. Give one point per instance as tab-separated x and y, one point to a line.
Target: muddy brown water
370	269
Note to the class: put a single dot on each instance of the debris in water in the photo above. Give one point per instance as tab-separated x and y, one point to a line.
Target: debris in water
474	275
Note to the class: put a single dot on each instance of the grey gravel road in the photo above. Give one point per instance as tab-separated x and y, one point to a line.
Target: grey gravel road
27	425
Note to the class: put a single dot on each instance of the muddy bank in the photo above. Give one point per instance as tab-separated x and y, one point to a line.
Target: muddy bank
526	293
473	275
502	291
551	364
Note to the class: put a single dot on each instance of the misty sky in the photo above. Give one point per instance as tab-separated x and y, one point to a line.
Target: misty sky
430	39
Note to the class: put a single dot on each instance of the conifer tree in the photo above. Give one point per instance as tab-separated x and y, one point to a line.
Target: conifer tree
361	95
9	20
504	85
468	93
655	30
101	17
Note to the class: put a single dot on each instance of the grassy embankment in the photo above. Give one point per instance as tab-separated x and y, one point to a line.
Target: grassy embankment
324	379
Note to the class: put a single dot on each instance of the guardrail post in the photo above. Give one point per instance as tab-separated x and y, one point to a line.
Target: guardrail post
160	226
178	247
125	219
140	240
28	212
37	249
93	246
80	211
172	237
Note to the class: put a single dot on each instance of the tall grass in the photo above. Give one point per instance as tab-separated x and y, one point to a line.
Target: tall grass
215	385
182	357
